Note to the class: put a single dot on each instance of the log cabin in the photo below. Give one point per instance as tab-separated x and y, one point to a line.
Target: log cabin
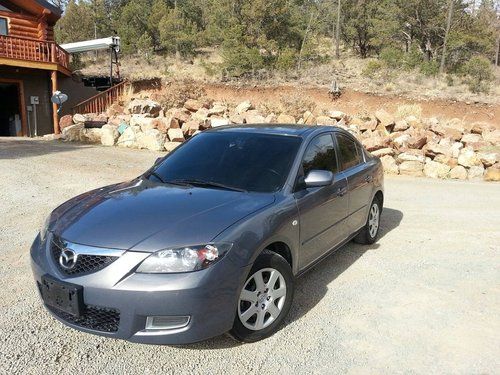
32	67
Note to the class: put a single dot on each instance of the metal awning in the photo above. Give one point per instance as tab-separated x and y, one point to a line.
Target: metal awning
93	45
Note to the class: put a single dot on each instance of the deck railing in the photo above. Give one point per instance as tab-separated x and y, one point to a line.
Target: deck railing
102	101
33	50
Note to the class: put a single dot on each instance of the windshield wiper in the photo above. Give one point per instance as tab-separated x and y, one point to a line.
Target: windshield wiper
157	176
196	182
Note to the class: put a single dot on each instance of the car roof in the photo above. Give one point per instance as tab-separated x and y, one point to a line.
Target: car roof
299	130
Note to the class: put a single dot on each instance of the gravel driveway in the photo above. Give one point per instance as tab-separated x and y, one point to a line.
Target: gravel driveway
424	299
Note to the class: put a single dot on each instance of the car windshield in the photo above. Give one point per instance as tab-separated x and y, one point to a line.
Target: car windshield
231	160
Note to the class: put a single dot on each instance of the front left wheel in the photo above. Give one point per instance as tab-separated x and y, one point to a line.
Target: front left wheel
265	298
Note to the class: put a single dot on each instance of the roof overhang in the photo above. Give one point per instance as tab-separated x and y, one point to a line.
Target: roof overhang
39	8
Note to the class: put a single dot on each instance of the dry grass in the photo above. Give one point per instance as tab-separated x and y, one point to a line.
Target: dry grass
347	72
406	110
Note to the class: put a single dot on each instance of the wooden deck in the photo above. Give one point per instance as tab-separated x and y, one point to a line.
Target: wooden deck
33	53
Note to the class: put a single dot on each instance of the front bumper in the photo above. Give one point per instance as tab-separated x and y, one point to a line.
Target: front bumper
208	296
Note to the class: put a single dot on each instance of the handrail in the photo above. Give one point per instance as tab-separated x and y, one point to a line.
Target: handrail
102	101
33	50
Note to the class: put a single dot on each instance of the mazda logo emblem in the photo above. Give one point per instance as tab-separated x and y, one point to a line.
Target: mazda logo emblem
67	259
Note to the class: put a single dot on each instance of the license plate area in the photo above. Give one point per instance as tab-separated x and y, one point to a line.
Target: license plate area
61	295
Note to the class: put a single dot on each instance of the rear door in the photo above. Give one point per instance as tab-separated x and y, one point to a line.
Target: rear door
359	179
322	210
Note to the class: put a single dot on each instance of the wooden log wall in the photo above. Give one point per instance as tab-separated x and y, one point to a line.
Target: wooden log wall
24	26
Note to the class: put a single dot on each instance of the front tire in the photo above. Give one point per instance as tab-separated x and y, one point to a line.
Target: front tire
368	235
265	299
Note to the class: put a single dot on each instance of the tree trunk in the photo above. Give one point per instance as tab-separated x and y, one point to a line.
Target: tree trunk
337	32
447	31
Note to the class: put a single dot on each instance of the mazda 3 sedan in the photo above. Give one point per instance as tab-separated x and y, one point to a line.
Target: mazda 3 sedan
210	239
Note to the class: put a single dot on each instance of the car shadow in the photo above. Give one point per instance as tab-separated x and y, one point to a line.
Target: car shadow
313	285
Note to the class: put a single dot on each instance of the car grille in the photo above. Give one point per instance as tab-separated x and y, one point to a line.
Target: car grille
85	263
93	317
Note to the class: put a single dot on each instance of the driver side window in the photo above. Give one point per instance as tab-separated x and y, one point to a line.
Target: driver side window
320	154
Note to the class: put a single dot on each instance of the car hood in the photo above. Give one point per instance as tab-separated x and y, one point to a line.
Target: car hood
142	215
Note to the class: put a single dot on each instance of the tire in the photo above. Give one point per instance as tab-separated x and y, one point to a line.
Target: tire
369	233
262	308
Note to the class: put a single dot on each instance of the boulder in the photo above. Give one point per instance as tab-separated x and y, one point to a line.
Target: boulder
193	105
471	138
72	133
369	125
488	158
285	119
452	133
402	140
336	115
481	127
114	109
171	146
91	135
411	168
165	123
383	152
444	159
65	121
384	118
475	172
434	169
128	137
414	122
200	115
492	137
51	137
151	139
79	118
401	125
432	149
270	118
412	155
493	173
389	164
309	118
219	121
236	119
325	120
144	106
217	109
243	107
375	143
109	135
175	135
458	173
468	158
180	114
455	149
254	117
417	141
190	127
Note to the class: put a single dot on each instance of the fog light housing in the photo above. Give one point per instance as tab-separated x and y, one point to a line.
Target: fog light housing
155	323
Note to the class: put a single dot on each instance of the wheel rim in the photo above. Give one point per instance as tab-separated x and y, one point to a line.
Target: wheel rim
262	299
373	220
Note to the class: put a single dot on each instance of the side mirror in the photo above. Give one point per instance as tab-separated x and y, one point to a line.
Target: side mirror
318	178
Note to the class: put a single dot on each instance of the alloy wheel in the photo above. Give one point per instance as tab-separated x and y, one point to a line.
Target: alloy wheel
262	299
373	220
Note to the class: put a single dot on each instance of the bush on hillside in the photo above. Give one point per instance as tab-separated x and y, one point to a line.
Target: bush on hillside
479	74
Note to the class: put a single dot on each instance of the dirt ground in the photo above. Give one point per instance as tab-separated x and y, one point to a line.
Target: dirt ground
424	299
354	102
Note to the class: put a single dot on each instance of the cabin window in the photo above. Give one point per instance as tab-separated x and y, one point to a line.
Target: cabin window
3	26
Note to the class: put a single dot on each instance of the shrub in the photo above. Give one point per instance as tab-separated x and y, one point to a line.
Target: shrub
286	59
429	68
372	68
240	60
393	57
479	74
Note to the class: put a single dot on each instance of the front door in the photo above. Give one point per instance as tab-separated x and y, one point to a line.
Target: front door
322	210
10	110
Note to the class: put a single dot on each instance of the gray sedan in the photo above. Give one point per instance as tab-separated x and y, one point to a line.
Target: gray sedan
211	239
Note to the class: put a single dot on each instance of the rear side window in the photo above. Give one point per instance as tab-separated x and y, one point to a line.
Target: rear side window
3	26
320	154
348	151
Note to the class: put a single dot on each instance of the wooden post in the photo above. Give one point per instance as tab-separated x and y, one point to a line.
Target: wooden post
55	116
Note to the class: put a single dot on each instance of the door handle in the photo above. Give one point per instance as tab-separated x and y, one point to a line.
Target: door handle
369	178
341	192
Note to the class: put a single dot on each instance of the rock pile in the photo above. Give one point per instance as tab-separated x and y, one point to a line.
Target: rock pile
408	146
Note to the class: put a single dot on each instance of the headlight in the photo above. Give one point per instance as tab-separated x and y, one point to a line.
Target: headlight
185	259
44	228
